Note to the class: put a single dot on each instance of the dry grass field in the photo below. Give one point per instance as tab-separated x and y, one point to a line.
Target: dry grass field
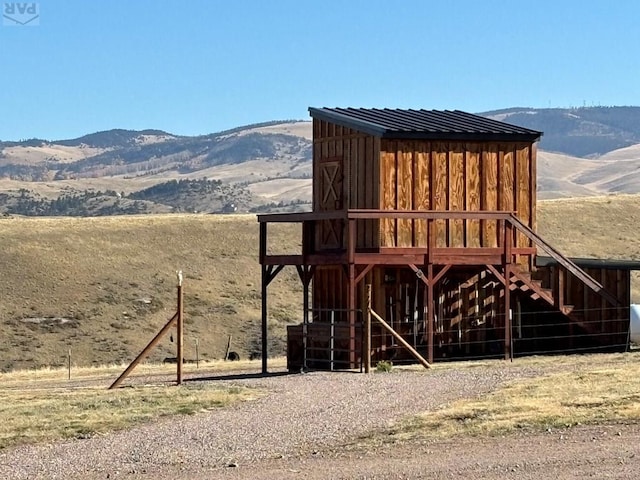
103	286
574	390
41	405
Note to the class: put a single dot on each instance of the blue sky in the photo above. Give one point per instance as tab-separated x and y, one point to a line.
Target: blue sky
194	67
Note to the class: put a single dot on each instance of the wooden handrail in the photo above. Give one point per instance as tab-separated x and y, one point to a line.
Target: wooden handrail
583	276
503	216
372	214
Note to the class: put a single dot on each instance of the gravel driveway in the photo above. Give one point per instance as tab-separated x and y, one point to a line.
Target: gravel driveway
303	414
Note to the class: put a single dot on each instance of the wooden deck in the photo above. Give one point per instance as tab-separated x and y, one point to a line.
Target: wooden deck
347	251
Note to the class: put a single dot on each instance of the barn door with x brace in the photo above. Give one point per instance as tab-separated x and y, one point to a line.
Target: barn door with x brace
331	199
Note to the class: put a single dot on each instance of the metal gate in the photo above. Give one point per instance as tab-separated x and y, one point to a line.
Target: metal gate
329	342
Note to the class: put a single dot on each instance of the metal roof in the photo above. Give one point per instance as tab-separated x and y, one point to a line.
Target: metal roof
606	263
424	124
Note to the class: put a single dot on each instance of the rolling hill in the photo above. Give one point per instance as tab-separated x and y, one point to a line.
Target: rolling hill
267	166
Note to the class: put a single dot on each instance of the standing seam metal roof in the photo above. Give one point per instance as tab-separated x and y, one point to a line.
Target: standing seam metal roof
424	124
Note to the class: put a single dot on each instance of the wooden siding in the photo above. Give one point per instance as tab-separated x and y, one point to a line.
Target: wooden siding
358	155
609	323
418	175
329	292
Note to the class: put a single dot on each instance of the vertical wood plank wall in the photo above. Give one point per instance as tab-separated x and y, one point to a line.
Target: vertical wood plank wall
608	323
360	186
462	176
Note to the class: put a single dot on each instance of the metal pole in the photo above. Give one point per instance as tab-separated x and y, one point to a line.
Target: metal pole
367	333
305	318
430	314
197	355
69	364
331	340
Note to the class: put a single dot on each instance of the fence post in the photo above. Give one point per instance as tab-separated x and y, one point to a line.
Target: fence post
69	365
180	331
332	334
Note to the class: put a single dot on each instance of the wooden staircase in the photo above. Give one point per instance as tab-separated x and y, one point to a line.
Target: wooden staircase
523	281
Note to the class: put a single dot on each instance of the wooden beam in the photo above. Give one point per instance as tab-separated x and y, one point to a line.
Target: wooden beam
419	273
559	284
496	273
507	313
467	259
508	258
441	273
180	333
145	351
273	272
265	284
430	312
263	242
401	340
364	271
351	306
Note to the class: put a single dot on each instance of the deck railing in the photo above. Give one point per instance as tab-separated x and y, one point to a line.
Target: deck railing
335	237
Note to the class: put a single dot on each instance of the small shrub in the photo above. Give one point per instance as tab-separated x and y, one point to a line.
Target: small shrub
384	366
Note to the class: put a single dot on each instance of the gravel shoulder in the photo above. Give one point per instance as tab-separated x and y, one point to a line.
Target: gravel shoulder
295	431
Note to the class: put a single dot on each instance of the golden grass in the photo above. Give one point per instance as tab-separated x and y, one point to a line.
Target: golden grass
95	271
98	272
591	389
108	373
41	405
34	415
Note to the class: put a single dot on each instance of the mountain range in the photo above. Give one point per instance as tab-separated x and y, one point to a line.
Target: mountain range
267	166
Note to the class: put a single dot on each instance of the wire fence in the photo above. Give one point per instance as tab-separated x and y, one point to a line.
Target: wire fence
335	344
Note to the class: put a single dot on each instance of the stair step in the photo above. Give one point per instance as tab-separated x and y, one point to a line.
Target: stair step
567	309
546	291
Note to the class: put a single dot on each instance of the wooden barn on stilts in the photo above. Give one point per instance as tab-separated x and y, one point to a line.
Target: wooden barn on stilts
427	219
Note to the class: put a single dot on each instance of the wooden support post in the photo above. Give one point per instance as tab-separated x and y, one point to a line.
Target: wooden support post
507	315
367	333
559	286
430	313
351	294
264	281
351	306
263	242
180	332
145	352
401	340
226	352
269	272
508	240
305	273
